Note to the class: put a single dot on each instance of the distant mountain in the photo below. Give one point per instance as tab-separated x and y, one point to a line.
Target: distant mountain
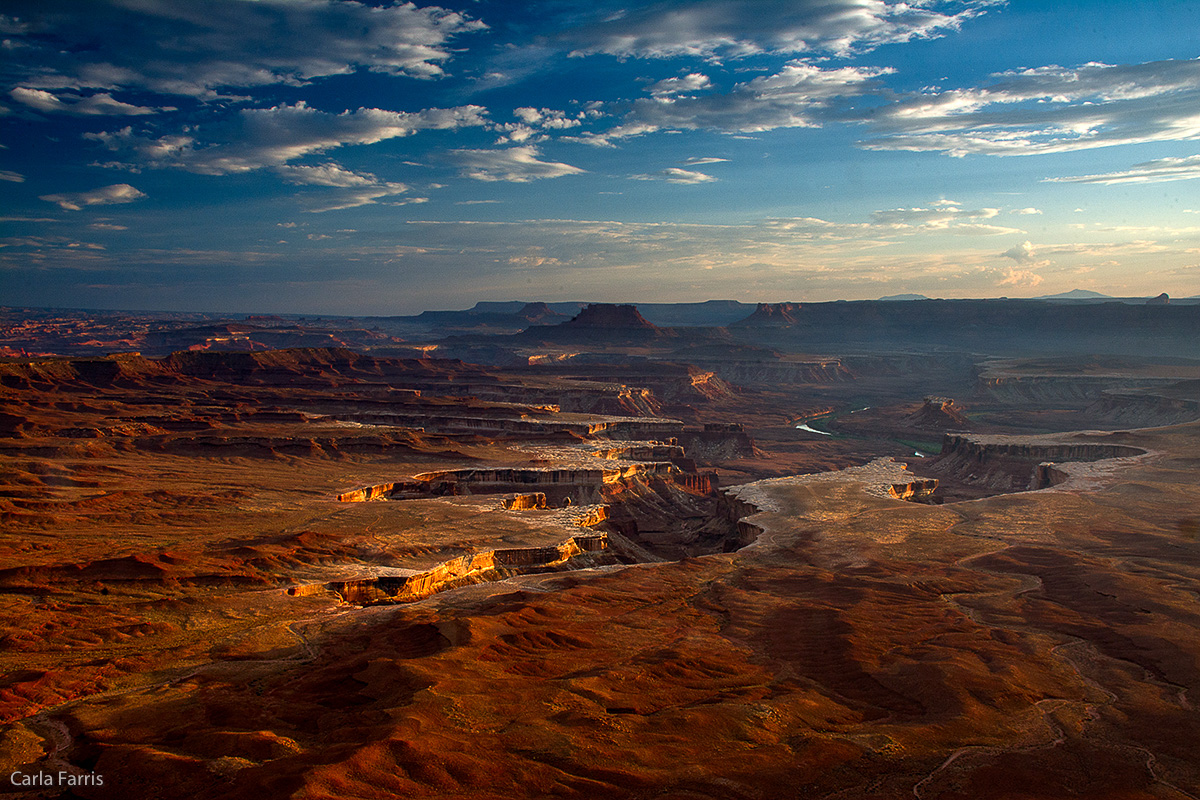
898	297
1077	294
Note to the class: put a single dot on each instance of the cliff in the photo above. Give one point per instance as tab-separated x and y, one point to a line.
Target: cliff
475	568
1016	463
558	485
988	326
1144	409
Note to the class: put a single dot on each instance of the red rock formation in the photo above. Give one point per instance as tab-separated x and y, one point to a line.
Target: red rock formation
771	315
608	315
939	413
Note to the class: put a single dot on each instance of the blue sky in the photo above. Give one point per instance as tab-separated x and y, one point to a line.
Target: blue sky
332	156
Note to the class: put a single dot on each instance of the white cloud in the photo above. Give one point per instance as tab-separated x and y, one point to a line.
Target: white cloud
12	177
738	28
362	197
106	195
529	116
688	84
1049	110
270	137
1025	212
101	103
1021	253
701	160
1157	171
329	174
514	164
533	124
676	175
198	48
107	226
796	96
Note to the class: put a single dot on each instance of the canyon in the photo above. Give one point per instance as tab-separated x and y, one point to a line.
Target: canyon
579	550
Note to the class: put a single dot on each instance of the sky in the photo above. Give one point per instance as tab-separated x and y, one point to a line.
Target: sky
343	157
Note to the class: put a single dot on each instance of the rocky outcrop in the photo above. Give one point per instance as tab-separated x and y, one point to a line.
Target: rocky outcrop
938	413
738	511
607	315
522	502
770	315
600	324
642	451
557	485
917	490
461	571
378	492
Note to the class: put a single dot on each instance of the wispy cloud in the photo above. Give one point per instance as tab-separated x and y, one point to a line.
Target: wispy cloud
513	164
676	175
1158	171
12	177
943	216
270	137
357	188
101	103
1049	110
104	196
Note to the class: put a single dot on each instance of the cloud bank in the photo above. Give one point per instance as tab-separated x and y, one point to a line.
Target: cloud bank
741	28
197	49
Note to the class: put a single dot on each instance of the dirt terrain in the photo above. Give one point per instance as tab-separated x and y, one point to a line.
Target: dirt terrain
315	573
